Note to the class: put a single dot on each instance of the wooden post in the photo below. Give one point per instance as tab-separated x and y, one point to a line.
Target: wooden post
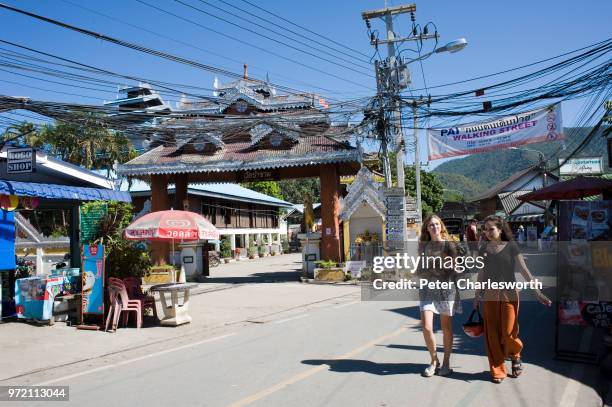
180	192
330	211
159	202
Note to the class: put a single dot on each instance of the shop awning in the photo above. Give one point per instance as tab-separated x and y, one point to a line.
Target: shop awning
54	191
531	218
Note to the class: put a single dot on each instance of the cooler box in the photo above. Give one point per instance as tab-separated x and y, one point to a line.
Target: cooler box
34	296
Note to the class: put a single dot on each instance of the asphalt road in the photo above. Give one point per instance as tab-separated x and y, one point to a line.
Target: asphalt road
341	352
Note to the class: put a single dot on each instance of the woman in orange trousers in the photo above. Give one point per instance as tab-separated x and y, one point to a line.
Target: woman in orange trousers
501	307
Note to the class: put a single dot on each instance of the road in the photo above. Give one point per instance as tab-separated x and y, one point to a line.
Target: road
336	352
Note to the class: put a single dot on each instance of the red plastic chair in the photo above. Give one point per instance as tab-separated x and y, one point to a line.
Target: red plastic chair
123	303
134	290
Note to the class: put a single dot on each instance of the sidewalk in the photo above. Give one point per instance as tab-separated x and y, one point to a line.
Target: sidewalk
220	305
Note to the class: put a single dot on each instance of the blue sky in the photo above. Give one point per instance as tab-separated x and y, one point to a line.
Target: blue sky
501	35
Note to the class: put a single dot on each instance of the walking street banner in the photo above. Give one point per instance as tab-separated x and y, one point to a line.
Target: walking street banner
525	128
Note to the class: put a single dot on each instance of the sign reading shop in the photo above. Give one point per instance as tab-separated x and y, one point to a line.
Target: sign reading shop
20	160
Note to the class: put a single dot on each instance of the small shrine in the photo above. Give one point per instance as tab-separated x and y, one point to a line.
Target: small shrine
363	217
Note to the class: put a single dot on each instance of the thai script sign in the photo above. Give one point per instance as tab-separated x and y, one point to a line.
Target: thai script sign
576	166
525	128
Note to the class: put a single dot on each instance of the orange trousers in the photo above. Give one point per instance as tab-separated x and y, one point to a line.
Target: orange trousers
501	334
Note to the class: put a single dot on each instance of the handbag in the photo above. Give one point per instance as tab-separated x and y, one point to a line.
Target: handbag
472	328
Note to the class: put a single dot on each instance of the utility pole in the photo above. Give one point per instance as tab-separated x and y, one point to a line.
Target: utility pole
392	75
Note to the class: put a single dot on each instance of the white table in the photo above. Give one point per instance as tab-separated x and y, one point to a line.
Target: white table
174	314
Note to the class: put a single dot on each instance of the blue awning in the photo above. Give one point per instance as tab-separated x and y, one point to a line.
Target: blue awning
53	191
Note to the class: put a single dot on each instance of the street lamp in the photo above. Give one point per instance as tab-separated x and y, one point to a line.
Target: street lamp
541	158
452	47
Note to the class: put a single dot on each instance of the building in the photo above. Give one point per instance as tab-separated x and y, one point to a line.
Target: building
242	215
501	199
245	132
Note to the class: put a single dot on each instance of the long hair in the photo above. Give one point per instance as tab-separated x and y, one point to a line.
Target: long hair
502	225
425	237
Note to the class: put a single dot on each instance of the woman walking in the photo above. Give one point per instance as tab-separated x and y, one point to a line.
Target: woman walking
501	256
434	244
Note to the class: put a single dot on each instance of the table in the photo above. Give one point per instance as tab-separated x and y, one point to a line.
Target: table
174	314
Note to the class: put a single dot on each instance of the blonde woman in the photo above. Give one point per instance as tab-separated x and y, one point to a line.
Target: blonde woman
435	243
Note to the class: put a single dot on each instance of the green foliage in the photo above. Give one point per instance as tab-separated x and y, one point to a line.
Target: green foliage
226	248
458	187
294	190
270	188
252	249
85	141
261	250
431	190
123	257
326	264
285	243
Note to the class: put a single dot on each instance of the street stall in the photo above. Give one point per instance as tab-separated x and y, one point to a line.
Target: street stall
584	254
30	193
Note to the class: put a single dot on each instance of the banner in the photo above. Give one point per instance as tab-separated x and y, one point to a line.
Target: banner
7	240
93	279
511	131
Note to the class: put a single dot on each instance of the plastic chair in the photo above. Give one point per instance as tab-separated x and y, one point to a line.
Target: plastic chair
123	303
134	290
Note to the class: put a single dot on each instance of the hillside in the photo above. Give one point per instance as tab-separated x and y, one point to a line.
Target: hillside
476	173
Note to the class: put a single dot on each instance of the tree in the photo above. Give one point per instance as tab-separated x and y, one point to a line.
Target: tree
123	257
270	188
294	190
432	190
86	142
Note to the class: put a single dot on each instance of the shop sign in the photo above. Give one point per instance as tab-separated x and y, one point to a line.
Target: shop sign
578	166
20	160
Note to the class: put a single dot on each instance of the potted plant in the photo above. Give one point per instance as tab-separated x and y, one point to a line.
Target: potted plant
252	250
261	250
226	250
284	244
329	270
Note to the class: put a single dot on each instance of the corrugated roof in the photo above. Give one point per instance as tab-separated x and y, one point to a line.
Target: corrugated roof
240	156
222	190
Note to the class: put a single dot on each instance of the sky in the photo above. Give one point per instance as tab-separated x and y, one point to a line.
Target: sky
501	35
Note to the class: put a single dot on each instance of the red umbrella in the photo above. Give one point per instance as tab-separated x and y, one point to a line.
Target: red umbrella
576	188
171	225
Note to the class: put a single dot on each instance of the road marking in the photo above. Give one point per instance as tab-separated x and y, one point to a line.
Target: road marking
282	321
128	361
304	375
346	304
572	388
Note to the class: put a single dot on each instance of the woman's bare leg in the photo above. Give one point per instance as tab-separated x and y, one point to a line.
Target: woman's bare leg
428	334
447	330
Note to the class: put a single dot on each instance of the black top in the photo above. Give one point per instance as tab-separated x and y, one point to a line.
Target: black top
500	266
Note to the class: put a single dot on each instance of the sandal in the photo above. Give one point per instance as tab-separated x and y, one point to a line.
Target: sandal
517	367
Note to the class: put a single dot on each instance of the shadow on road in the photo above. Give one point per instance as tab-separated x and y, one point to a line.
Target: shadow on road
387	369
537	331
272	277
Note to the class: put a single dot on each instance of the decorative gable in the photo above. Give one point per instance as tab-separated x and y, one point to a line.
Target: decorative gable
268	136
363	189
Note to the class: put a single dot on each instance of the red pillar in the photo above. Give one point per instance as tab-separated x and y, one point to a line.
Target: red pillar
330	211
180	193
159	202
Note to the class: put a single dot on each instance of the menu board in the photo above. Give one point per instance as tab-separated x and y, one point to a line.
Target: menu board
90	221
585	260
